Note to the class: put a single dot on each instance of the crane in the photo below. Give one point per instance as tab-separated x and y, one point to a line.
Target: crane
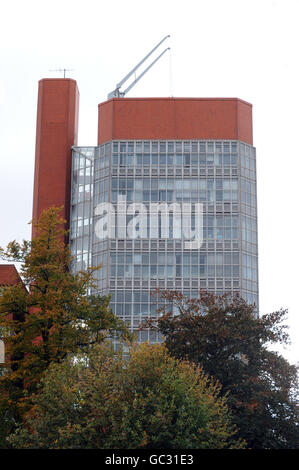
120	94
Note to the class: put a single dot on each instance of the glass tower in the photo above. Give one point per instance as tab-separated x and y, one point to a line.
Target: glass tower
135	259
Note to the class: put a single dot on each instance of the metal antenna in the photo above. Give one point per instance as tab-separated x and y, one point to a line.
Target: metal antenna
120	94
62	71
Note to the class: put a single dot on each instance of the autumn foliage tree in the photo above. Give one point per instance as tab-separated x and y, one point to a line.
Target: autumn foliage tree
149	400
231	343
48	316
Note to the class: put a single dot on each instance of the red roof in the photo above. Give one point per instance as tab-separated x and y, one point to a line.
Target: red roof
9	275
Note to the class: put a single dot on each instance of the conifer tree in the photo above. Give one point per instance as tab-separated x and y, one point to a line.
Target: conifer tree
46	317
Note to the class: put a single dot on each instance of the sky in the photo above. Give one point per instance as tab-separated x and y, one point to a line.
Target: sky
234	48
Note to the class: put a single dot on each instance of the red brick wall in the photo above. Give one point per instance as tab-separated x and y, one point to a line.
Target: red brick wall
9	275
175	118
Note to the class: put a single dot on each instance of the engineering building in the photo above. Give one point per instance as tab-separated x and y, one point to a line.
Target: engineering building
167	151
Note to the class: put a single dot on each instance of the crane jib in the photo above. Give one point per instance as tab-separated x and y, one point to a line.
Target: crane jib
119	94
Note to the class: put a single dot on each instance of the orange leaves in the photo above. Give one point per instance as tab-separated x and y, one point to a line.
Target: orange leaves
55	318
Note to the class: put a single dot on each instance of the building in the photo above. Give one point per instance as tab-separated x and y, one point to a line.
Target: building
196	153
9	276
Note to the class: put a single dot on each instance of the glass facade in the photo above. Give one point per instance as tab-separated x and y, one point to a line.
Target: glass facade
220	175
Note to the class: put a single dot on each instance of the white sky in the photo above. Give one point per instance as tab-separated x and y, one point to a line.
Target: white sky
219	48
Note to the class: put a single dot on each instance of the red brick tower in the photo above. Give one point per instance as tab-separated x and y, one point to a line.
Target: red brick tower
56	133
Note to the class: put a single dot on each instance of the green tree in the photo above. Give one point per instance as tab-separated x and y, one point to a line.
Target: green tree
149	400
46	317
224	335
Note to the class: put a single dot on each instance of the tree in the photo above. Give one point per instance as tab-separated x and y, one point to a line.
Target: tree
50	318
149	400
224	335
